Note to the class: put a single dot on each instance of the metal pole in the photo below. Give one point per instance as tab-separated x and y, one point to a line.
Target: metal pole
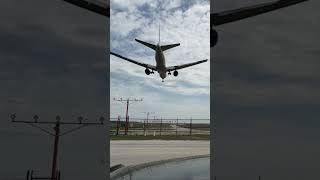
177	128
118	121
190	126
144	127
28	172
55	152
147	117
127	119
160	126
31	175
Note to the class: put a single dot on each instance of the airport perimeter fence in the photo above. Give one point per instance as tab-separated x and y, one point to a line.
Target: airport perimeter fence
159	126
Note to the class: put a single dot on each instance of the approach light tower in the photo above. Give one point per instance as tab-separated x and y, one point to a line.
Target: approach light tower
55	174
127	101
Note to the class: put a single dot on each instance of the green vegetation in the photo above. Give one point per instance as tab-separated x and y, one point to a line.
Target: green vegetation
139	125
163	137
204	127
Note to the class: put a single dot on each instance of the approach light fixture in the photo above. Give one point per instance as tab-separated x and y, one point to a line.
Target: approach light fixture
58	118
80	119
13	117
101	119
35	118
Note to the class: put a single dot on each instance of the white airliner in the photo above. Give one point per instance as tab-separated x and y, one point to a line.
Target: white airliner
160	60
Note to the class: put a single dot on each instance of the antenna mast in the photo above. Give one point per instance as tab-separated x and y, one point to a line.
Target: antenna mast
55	174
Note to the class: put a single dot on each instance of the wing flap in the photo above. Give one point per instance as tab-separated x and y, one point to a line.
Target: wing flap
242	13
135	62
172	68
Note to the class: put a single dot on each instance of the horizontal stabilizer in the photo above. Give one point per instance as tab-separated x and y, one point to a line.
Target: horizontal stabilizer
169	46
152	46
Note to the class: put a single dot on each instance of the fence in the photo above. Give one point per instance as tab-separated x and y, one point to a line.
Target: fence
159	126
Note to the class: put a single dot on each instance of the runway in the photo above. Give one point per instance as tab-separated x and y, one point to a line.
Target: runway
137	152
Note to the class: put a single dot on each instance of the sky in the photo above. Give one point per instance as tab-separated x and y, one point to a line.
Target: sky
184	22
53	62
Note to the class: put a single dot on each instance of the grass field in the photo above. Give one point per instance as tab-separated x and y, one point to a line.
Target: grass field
139	125
163	137
204	127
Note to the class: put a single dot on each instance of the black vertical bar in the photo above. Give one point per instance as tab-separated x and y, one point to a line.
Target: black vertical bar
55	151
190	126
58	175
127	118
28	172
144	127
118	121
128	125
31	175
160	126
177	128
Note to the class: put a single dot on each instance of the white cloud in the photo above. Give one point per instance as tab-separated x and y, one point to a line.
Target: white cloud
187	25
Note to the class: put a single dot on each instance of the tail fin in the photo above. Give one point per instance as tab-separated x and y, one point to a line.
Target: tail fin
152	46
169	46
159	34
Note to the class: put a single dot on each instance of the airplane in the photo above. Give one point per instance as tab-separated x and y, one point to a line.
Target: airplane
160	60
216	19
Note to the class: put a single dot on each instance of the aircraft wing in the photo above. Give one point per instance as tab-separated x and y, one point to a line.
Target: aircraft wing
245	12
97	6
172	68
135	62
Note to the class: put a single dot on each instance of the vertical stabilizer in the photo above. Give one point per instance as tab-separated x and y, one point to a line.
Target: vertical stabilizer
159	34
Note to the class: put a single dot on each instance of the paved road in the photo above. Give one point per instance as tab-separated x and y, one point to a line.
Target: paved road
136	152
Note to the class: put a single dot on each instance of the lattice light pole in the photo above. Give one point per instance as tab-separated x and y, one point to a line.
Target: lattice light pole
127	101
56	134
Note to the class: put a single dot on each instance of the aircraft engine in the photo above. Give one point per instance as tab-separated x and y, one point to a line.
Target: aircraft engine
213	37
147	71
175	73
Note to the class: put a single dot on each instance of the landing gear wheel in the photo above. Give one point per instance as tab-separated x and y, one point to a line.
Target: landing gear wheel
175	73
147	71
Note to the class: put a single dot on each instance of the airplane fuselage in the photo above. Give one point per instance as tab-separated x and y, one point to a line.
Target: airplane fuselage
160	62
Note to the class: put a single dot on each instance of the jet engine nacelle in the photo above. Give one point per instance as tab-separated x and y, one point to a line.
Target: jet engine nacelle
175	73
213	37
147	71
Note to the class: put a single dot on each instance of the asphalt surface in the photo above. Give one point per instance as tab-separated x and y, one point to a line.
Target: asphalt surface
137	152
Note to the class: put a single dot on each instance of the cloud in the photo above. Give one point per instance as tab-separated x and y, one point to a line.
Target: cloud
186	23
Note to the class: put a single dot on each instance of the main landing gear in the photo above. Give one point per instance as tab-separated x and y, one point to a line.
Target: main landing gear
175	73
148	72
